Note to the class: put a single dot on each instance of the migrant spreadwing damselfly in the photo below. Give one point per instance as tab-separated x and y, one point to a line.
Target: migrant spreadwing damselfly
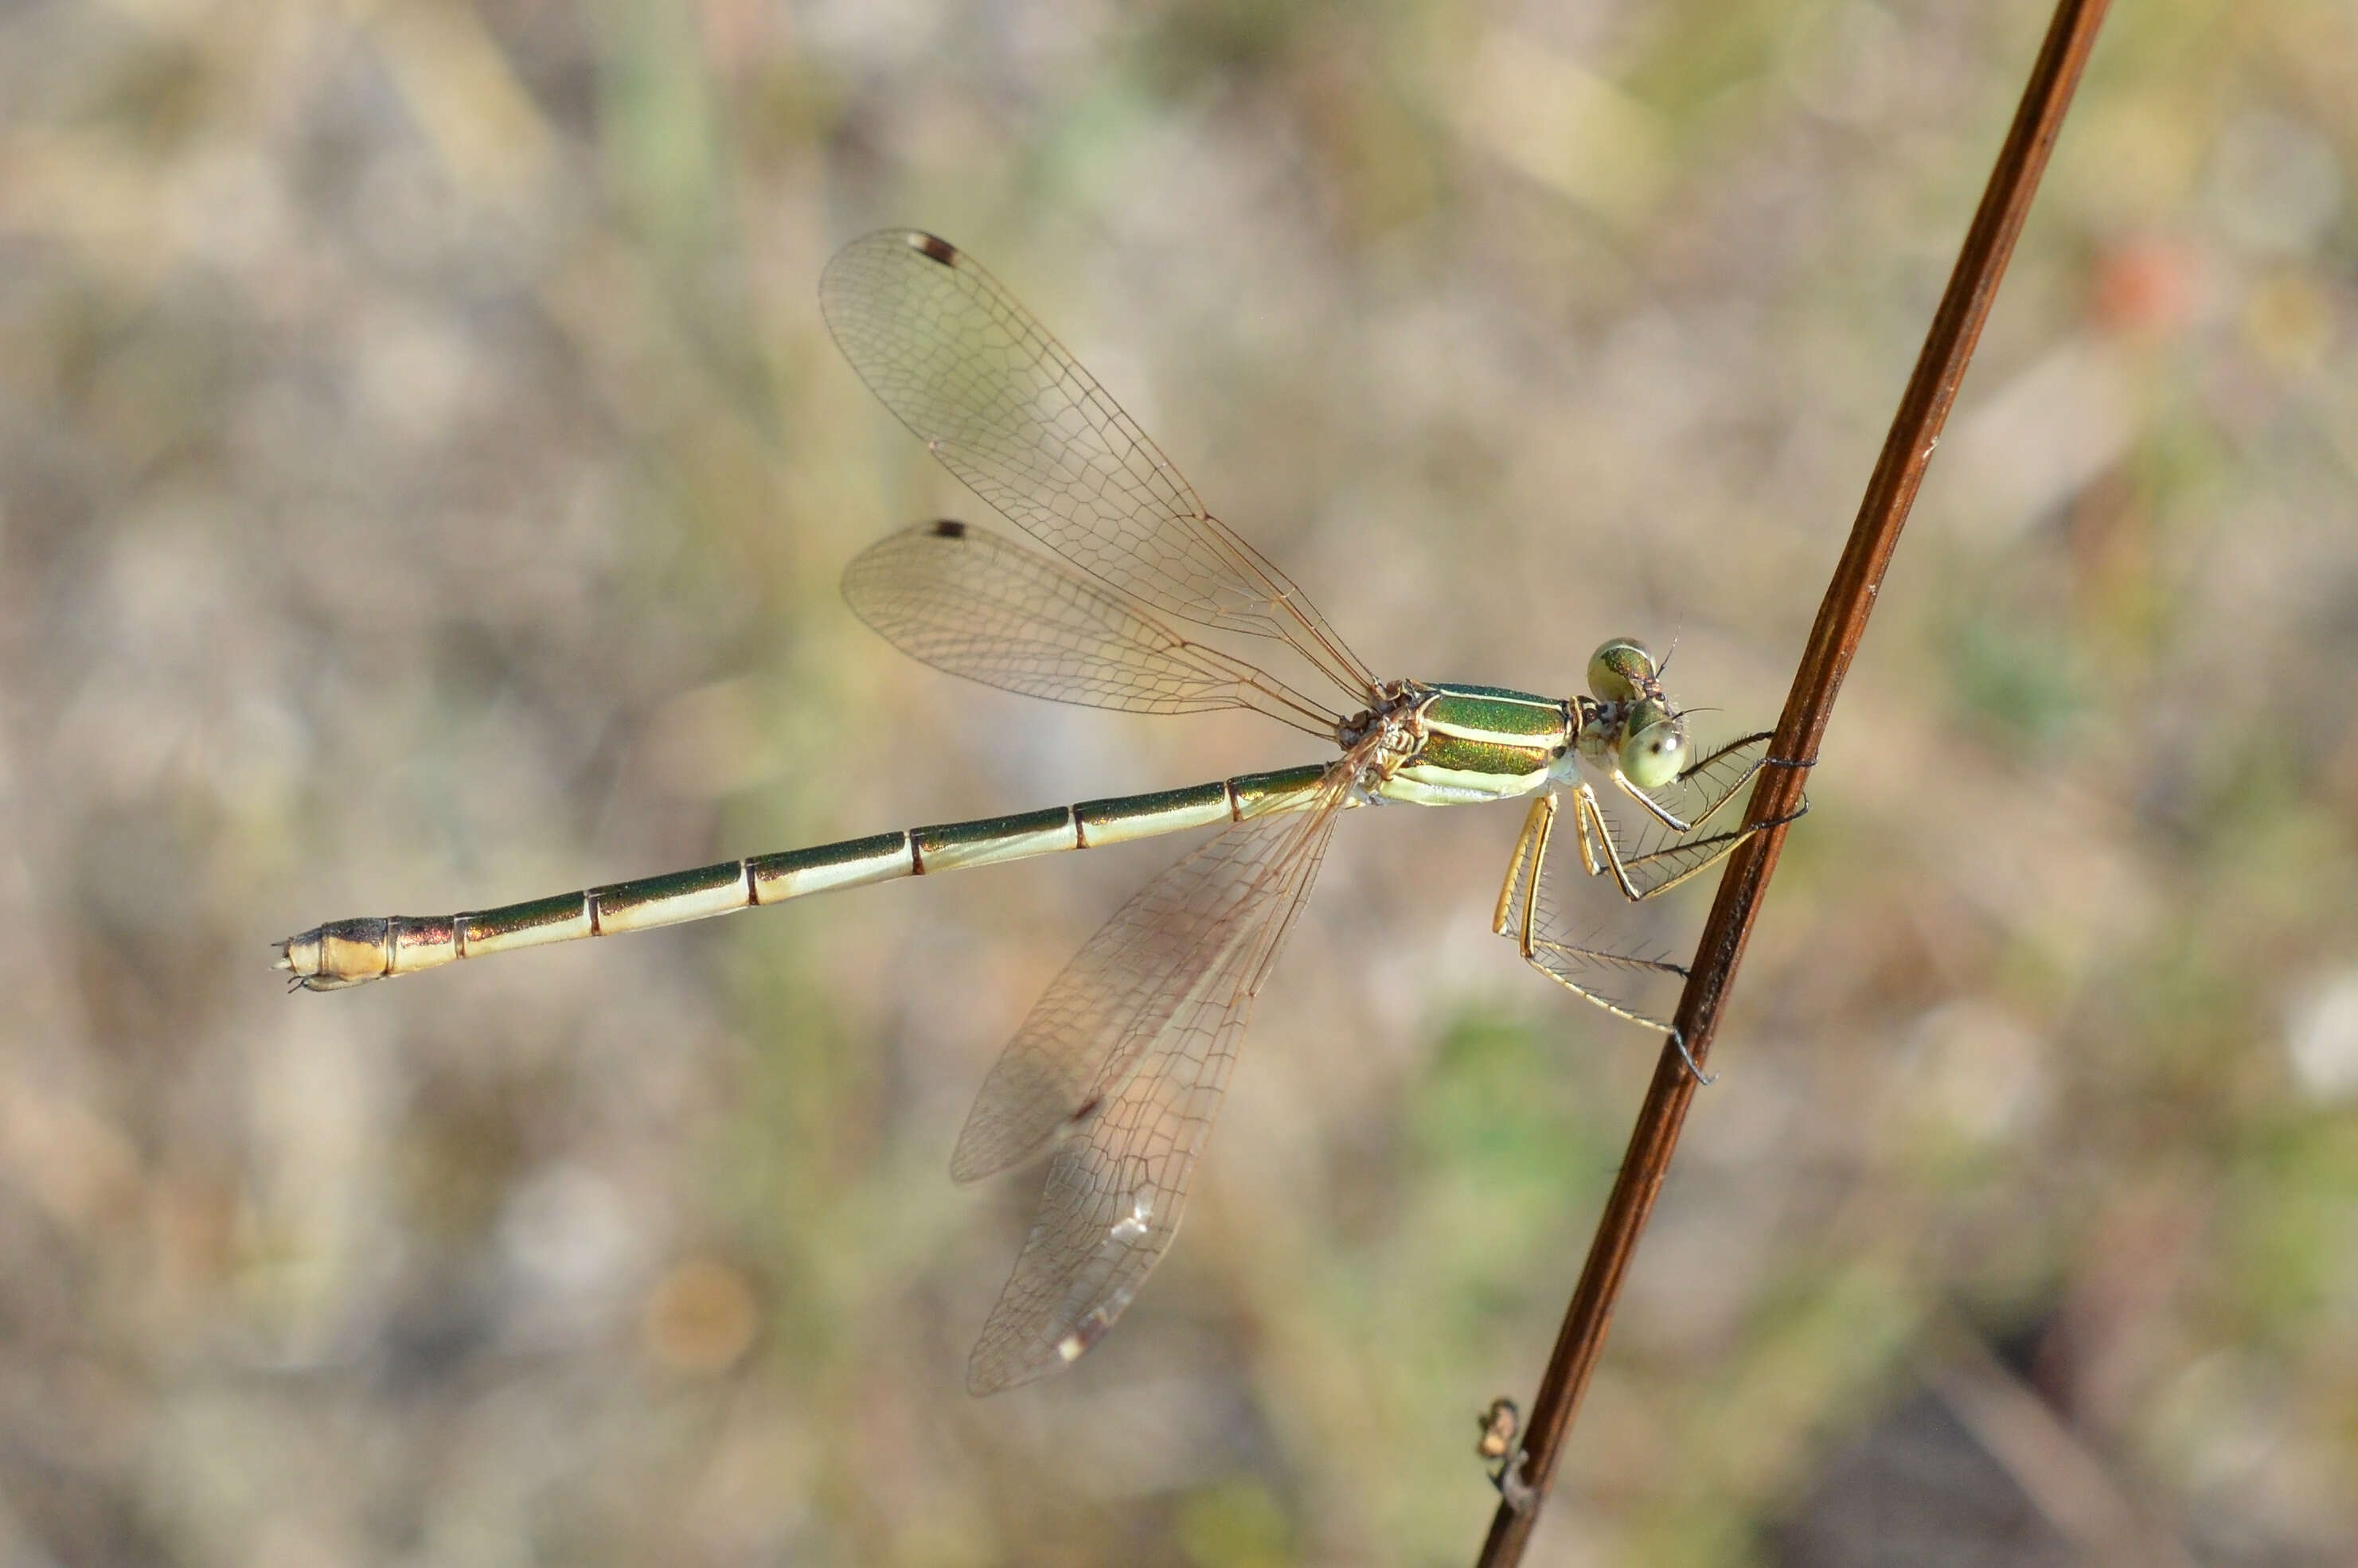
1117	1071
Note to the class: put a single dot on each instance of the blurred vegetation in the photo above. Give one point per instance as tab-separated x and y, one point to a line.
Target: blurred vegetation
422	476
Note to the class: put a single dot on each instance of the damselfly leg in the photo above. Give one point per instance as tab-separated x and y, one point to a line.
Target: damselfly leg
1531	917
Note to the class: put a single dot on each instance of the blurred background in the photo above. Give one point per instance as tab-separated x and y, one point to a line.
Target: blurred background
424	475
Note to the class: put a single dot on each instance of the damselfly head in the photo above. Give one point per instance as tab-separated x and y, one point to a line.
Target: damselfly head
1653	744
1623	671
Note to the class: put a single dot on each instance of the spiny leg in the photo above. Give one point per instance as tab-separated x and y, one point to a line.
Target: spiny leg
1702	770
1517	917
1718	778
1529	850
1538	823
1673	863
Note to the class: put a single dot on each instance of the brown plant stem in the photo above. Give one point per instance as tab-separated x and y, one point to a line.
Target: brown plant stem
1833	639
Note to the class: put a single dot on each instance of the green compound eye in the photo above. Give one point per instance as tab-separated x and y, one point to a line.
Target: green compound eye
1620	670
1653	746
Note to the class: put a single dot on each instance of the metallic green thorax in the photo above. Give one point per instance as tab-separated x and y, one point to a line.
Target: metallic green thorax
1466	744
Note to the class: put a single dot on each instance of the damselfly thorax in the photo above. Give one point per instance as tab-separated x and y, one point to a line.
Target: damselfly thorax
1116	1074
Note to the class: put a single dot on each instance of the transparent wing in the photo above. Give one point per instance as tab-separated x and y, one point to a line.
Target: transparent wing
1123	988
1125	1058
1009	411
964	600
1658	857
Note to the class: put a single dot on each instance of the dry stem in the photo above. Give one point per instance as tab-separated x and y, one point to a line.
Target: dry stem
1842	621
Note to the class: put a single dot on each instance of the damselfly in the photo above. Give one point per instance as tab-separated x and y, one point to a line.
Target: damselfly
1117	1071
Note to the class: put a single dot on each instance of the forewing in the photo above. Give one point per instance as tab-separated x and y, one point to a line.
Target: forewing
976	604
1009	411
1118	1184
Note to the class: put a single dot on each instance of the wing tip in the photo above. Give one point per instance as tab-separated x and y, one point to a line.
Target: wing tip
985	1152
932	247
990	1369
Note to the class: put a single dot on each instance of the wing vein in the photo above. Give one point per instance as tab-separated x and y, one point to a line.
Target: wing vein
1121	1066
1004	406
